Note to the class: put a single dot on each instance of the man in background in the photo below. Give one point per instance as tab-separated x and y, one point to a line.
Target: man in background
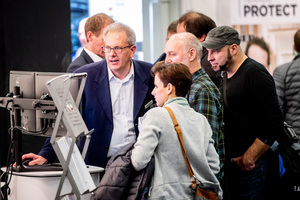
92	52
199	25
258	50
172	29
204	96
81	37
287	80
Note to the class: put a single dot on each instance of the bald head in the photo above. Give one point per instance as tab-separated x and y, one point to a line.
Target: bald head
186	41
184	48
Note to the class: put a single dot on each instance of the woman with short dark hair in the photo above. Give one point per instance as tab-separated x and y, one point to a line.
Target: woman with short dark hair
158	137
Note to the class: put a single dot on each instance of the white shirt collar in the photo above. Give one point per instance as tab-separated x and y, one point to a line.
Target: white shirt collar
93	56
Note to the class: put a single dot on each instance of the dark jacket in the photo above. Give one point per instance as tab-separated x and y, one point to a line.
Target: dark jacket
121	181
97	108
287	80
81	60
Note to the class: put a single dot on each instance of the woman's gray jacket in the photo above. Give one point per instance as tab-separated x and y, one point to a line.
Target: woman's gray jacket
158	137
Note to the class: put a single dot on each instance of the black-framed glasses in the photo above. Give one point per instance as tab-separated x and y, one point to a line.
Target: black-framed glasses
117	50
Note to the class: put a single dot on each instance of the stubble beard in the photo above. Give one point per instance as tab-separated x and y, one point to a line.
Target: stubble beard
229	58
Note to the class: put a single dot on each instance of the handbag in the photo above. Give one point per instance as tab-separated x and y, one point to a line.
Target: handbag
289	136
289	147
289	150
201	193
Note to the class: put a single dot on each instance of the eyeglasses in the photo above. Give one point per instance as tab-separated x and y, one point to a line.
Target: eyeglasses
117	50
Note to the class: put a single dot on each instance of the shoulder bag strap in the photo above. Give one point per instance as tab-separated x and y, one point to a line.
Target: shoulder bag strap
180	138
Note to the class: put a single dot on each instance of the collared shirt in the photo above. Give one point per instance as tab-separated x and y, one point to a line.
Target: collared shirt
93	56
121	92
205	98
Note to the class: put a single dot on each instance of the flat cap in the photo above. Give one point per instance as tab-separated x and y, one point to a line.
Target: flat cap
220	36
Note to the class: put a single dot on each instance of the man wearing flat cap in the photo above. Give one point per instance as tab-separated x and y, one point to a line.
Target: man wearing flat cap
251	115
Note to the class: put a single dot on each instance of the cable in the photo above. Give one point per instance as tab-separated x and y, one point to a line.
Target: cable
42	131
8	173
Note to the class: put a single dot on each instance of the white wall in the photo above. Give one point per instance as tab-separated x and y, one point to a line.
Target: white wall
157	15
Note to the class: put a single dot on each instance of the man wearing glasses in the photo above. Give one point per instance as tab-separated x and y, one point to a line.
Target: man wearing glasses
117	92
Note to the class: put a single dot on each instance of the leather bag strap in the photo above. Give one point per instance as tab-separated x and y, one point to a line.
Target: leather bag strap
180	138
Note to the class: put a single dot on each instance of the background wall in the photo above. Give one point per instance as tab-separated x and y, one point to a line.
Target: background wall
34	36
279	37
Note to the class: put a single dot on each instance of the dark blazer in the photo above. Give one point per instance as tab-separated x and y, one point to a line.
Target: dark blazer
162	57
97	108
81	60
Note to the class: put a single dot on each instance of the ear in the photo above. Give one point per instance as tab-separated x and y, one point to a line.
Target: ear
192	54
170	88
89	36
202	38
233	49
132	51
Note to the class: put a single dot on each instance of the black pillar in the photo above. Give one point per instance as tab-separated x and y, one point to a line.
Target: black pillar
34	36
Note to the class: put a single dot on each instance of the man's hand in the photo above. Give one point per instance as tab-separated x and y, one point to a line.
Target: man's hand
36	159
243	164
253	153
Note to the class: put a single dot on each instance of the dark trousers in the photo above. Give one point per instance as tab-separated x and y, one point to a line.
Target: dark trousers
257	184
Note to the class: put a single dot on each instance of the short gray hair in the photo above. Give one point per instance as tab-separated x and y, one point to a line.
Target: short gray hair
118	27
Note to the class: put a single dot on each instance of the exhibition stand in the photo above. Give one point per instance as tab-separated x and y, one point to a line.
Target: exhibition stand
56	112
36	185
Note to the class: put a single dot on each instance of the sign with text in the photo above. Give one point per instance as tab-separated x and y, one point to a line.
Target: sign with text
265	11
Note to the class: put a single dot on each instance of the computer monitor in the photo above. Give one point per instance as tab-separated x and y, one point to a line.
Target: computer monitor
33	86
44	118
26	81
33	110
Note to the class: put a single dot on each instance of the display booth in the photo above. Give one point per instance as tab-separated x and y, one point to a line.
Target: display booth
43	104
44	185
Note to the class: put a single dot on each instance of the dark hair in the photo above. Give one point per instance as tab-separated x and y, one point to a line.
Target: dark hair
197	23
178	74
96	23
259	42
297	41
172	28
